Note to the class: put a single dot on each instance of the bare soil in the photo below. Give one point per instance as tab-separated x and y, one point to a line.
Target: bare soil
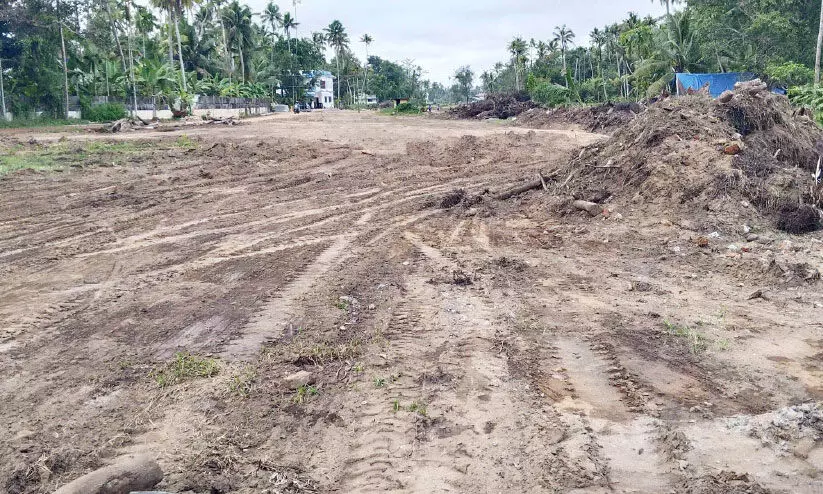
487	346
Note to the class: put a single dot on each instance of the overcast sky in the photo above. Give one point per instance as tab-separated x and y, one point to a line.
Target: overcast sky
441	35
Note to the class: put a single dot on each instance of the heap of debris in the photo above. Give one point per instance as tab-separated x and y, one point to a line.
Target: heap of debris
136	123
500	106
746	154
601	119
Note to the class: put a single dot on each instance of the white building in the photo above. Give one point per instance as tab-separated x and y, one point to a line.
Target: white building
321	93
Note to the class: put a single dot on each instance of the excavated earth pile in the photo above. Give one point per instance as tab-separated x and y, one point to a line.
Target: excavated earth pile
743	158
501	106
602	119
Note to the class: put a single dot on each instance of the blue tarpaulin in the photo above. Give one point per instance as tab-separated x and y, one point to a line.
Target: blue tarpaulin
717	83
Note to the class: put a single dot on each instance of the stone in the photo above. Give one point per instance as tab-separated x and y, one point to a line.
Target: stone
732	149
299	378
130	473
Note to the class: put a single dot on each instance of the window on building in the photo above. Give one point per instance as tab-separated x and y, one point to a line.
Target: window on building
322	84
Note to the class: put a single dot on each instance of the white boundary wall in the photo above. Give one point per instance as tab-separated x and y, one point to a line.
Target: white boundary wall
213	112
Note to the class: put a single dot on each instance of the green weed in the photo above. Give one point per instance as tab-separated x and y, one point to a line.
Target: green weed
303	393
395	405
185	142
185	366
63	154
379	382
242	384
419	408
324	353
697	341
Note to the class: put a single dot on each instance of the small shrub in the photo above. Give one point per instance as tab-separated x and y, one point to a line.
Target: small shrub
546	93
106	112
185	366
407	109
241	384
303	393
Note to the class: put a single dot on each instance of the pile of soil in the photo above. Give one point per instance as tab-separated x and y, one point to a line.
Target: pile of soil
744	156
501	106
601	119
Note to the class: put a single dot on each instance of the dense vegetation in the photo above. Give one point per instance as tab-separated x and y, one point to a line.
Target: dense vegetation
60	53
173	49
636	58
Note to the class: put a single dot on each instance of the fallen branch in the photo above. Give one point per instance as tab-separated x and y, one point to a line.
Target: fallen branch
604	167
516	191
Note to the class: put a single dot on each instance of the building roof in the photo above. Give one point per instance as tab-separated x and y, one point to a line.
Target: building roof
316	73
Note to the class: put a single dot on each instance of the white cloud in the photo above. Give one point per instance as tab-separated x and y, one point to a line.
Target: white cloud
443	35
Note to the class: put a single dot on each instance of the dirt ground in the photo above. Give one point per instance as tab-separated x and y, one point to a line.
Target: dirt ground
335	329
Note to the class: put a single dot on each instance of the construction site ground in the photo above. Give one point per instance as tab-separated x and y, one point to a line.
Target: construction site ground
287	305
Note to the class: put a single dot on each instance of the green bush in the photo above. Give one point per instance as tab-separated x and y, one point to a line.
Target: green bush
106	112
789	74
808	97
407	109
549	94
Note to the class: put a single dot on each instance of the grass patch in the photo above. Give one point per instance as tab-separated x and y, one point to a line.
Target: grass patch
418	408
185	142
697	341
185	366
65	154
324	353
28	123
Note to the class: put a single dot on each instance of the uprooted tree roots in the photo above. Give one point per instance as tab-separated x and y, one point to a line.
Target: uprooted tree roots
696	156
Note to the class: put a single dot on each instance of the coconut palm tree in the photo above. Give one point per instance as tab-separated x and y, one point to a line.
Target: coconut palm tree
565	38
668	4
518	49
175	9
339	40
319	40
153	79
288	24
238	21
367	40
272	16
677	52
145	22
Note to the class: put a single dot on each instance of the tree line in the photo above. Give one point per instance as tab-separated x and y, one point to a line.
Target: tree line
53	52
637	57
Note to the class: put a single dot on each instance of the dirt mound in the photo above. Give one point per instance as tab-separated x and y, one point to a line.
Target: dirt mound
602	119
745	157
500	106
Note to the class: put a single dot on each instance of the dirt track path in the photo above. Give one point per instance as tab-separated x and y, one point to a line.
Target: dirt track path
492	347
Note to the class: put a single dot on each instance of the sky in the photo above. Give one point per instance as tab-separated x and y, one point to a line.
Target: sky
442	35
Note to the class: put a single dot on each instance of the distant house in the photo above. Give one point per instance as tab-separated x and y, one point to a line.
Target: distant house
321	88
399	101
367	99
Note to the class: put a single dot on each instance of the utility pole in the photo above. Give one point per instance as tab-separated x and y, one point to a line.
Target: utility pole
2	92
131	62
65	61
819	47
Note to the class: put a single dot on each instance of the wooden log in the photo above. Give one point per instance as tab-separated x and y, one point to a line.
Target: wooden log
537	184
132	473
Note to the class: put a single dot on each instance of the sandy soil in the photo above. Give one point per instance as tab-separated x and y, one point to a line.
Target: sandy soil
490	347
